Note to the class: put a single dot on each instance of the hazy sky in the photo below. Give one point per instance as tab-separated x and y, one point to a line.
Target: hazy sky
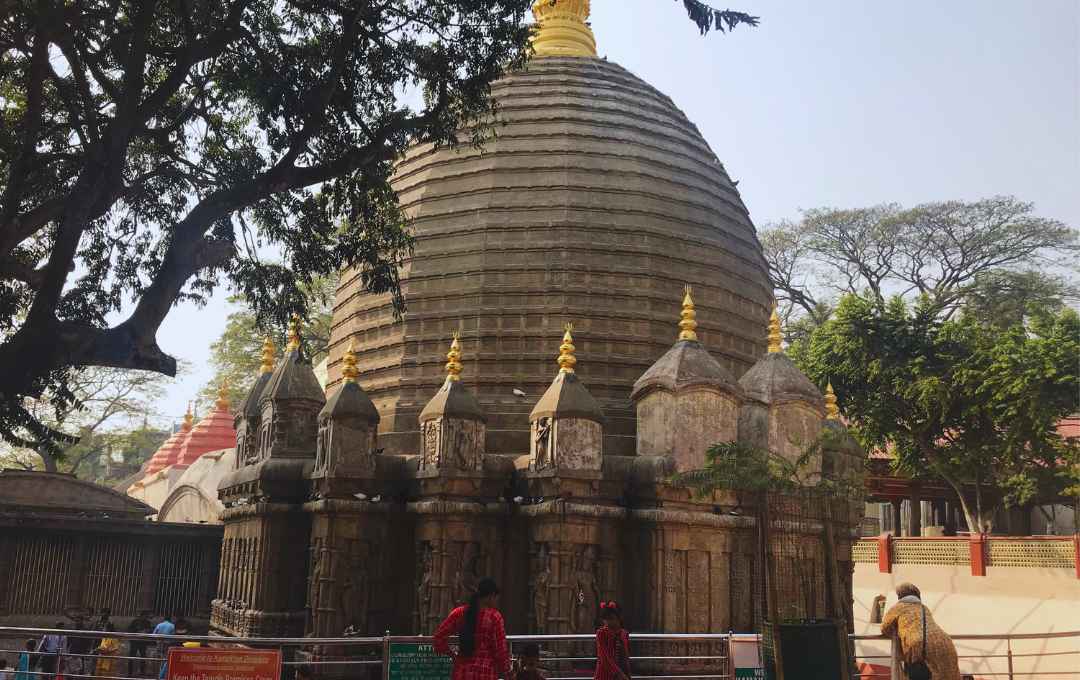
841	104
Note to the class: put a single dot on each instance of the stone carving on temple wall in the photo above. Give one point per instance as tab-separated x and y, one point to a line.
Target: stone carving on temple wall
579	444
468	575
541	587
430	438
542	437
425	591
586	591
355	589
452	444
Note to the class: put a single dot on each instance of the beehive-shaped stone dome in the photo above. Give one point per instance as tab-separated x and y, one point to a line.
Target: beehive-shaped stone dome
595	204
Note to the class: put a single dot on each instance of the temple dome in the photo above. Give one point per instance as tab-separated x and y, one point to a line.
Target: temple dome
212	433
169	452
596	202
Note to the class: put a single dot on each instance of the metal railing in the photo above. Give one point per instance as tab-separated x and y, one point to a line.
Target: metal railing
1025	655
674	656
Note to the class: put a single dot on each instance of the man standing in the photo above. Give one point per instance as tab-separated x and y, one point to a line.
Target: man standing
166	627
140	624
78	649
49	649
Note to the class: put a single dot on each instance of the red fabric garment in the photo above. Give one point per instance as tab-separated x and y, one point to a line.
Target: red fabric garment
490	658
612	654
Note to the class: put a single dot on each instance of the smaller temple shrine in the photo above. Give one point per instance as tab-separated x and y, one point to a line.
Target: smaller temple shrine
179	480
393	542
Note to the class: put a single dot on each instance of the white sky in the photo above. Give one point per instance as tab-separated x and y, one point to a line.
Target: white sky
839	104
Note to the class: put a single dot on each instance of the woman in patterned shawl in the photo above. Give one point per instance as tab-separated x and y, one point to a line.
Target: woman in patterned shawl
482	650
905	622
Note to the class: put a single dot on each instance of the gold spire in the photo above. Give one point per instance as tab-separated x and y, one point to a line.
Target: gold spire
566	358
688	321
832	412
349	370
188	418
562	30
222	402
267	356
453	365
774	333
294	333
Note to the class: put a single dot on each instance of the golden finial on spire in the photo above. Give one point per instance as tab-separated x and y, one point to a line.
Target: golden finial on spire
267	356
774	333
188	418
688	320
566	358
562	29
832	411
294	333
453	363
222	402
349	372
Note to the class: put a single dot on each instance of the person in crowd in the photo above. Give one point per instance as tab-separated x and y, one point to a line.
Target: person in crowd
107	650
612	645
77	661
24	667
303	672
164	672
5	673
103	619
527	666
166	627
49	649
482	652
921	639
137	648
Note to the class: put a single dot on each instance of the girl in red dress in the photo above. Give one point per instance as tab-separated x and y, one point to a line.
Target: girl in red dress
482	651
612	645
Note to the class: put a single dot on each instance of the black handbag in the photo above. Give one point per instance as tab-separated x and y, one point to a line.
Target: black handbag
918	670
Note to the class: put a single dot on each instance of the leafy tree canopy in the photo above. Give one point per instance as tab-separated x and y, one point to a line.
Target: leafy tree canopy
995	252
115	413
965	398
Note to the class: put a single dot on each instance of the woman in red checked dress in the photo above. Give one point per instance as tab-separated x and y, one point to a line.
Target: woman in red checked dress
612	645
482	651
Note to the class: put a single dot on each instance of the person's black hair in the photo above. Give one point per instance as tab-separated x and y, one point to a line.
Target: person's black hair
30	644
610	610
530	650
467	636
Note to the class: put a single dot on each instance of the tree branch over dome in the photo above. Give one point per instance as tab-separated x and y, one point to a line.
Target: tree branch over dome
153	150
709	18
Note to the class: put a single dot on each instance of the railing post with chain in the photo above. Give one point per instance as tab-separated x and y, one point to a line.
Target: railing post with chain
1008	647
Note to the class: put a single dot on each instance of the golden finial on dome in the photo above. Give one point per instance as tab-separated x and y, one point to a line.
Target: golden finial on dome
566	358
562	30
222	402
188	418
774	333
267	356
294	333
453	363
349	372
688	317
832	411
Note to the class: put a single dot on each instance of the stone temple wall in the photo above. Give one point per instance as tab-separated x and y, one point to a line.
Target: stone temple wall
369	542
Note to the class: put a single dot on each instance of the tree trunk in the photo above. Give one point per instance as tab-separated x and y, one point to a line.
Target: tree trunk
979	514
49	461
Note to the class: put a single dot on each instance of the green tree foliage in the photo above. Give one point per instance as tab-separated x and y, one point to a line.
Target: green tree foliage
959	396
149	150
237	353
950	253
115	413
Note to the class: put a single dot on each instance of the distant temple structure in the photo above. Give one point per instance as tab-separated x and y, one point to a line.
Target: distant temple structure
179	480
420	471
